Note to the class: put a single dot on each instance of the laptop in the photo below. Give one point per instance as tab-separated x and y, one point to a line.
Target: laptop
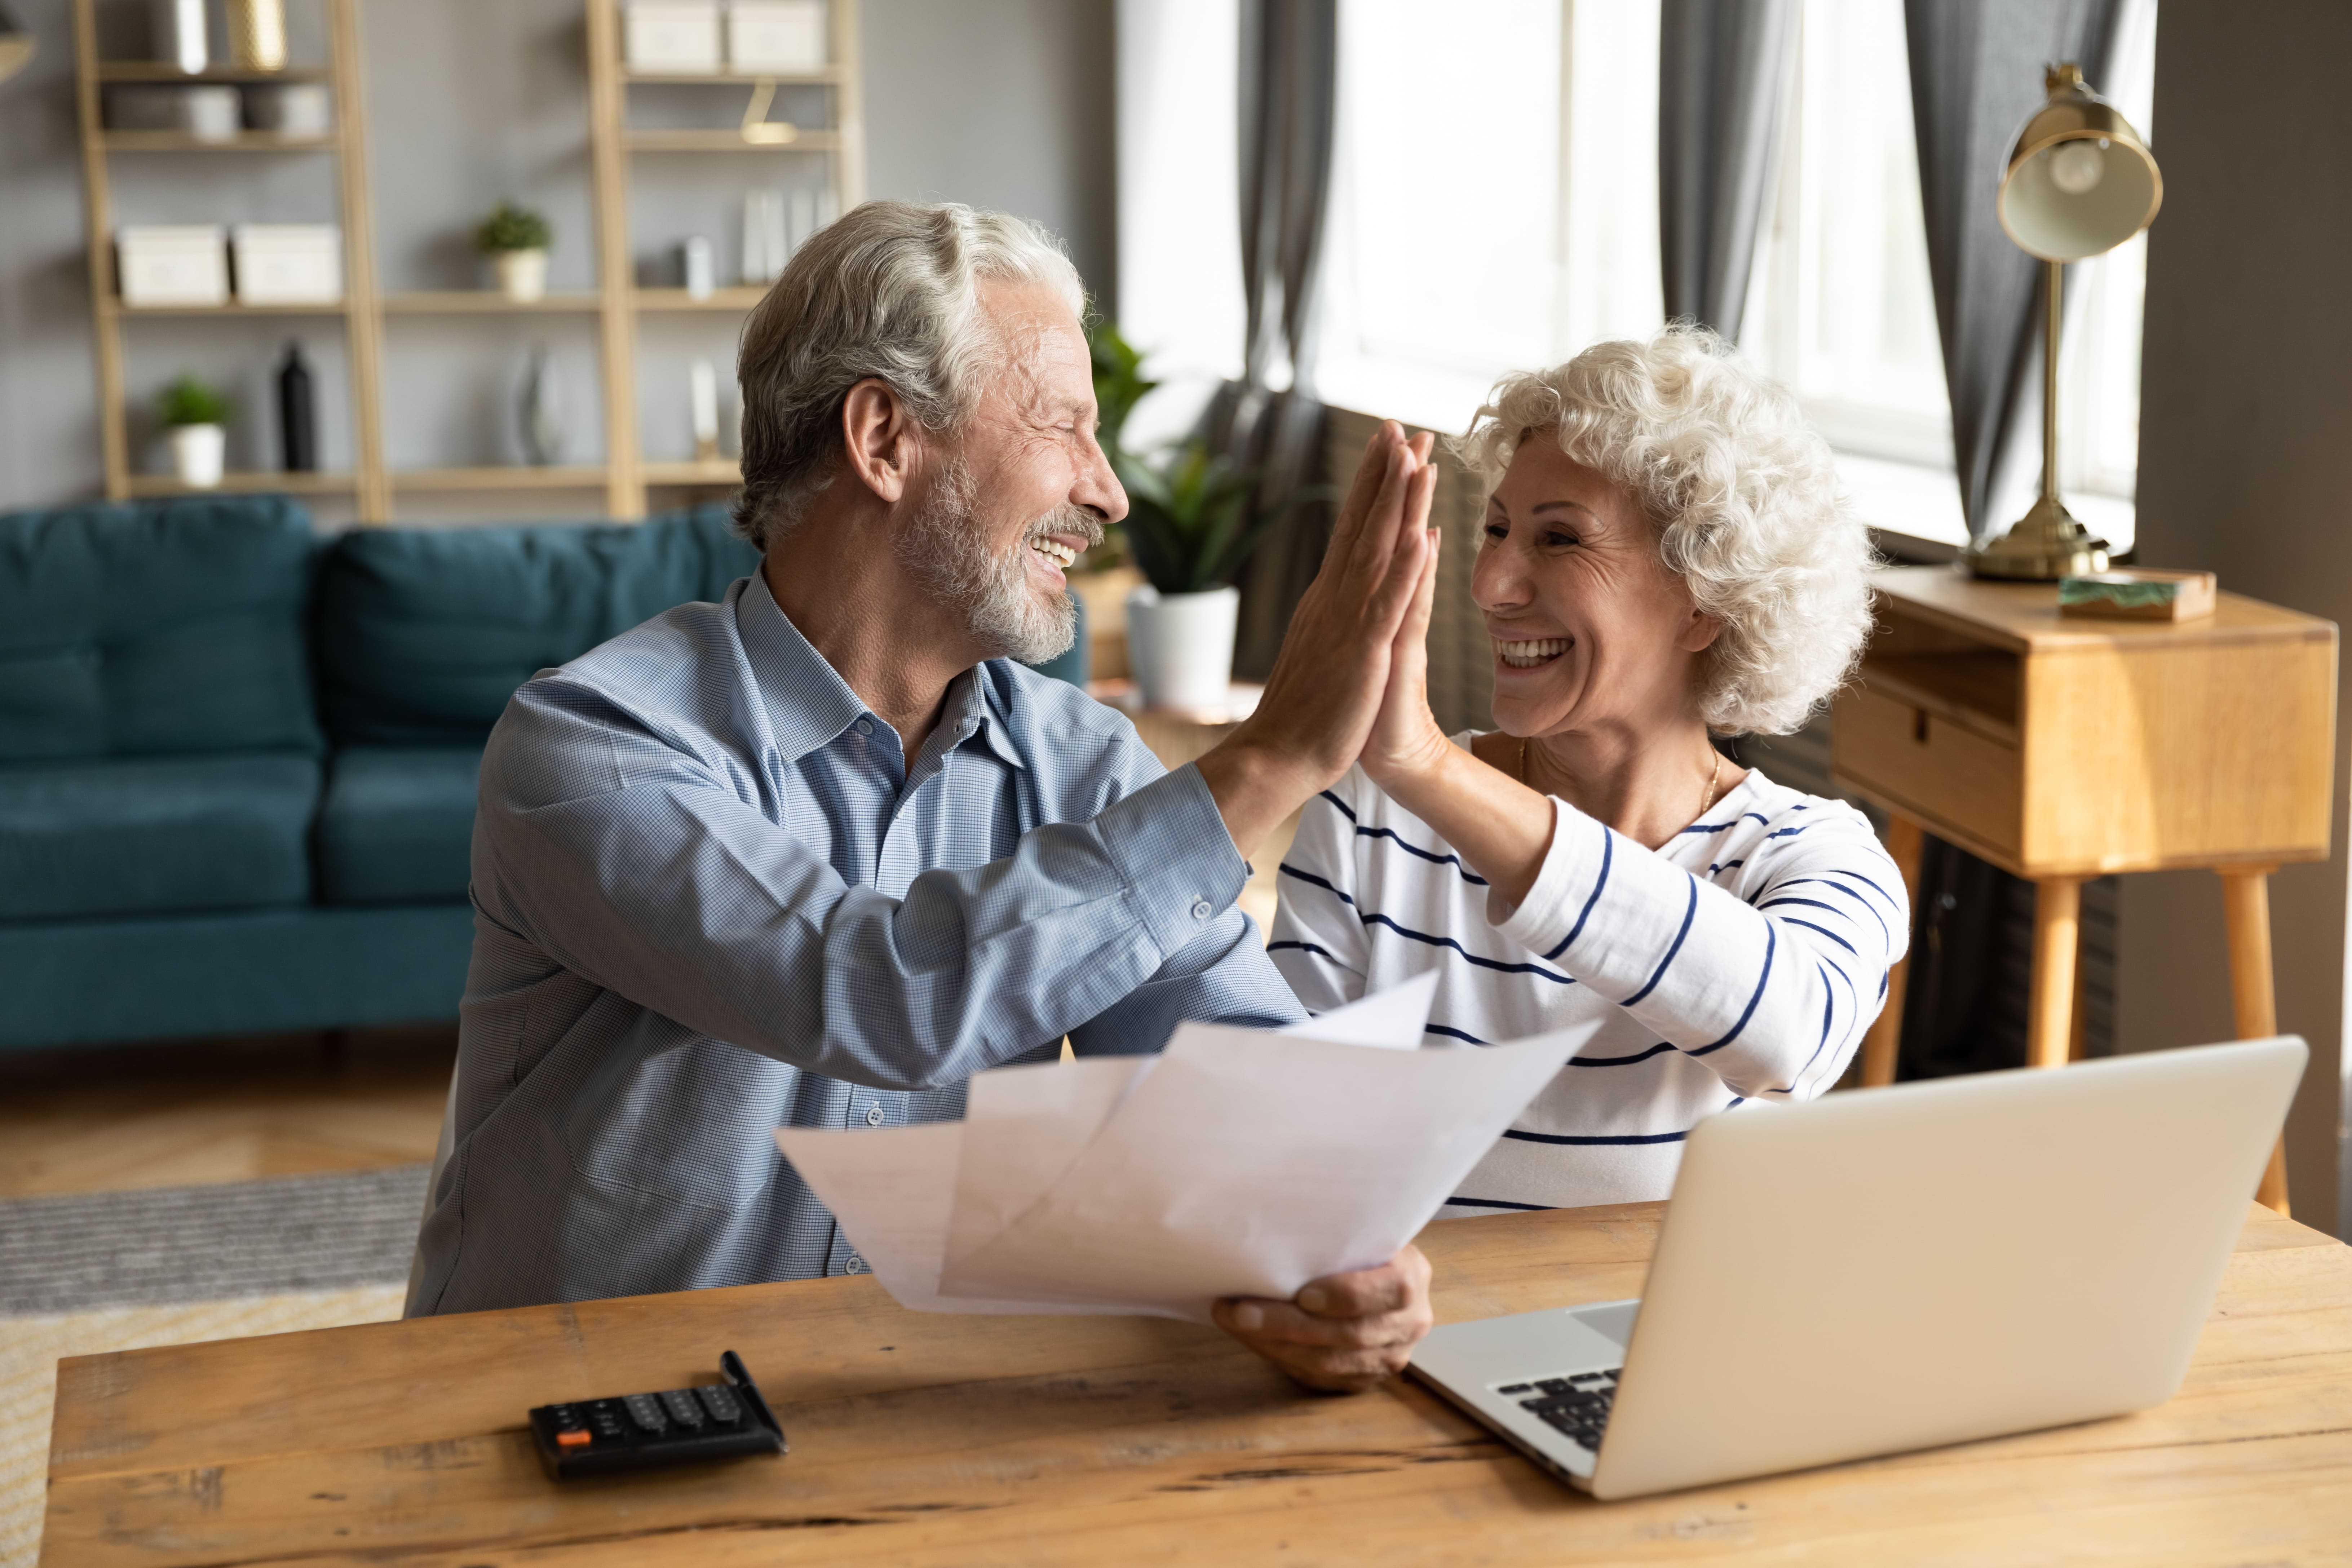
1895	1269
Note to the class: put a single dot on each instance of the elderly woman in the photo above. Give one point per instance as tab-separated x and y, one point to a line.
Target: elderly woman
1663	559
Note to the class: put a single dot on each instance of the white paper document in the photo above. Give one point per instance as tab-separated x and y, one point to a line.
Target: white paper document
1237	1163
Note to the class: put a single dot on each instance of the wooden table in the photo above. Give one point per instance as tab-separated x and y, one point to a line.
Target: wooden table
2061	747
939	1440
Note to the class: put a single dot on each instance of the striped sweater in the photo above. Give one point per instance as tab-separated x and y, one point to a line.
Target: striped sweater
1741	961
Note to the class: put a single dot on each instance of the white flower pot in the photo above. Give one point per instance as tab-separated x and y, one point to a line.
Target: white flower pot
196	453
523	274
1180	647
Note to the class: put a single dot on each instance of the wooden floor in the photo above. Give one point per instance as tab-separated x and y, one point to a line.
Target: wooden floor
108	1118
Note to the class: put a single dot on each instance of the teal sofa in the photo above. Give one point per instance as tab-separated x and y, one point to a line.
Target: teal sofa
237	760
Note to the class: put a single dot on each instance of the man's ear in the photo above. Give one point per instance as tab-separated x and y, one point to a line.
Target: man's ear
877	439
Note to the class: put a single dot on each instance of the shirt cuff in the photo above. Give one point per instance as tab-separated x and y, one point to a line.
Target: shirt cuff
1171	847
1536	924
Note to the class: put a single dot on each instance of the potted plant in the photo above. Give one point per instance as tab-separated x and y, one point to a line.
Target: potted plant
194	417
1189	530
516	240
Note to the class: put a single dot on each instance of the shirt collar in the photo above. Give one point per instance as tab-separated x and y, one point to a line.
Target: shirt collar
809	704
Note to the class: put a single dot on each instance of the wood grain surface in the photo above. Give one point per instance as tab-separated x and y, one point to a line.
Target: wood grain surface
940	1439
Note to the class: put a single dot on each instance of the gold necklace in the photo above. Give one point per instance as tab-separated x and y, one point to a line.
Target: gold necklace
1714	774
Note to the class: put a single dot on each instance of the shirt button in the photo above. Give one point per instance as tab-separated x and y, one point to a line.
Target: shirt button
873	1115
865	727
855	1265
1201	909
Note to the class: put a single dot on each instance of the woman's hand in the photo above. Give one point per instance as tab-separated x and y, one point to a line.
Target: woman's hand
1342	1333
1327	682
1406	739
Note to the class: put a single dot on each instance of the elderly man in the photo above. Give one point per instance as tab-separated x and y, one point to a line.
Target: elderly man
816	856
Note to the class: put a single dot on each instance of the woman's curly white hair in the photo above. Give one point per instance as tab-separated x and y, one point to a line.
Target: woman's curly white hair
1741	491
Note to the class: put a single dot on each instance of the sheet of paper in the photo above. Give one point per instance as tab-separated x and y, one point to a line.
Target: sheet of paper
1395	1019
1248	1165
890	1190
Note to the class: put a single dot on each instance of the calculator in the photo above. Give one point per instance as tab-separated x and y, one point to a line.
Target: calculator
640	1431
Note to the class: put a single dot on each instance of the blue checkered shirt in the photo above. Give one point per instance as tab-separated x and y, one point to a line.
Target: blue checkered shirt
711	900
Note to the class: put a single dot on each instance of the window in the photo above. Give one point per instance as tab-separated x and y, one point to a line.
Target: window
1494	207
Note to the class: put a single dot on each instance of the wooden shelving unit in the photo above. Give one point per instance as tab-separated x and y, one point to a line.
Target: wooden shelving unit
615	302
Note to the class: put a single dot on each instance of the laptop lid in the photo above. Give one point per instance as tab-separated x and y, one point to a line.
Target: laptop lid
1899	1268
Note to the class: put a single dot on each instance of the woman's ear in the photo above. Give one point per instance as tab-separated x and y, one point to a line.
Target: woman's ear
1699	632
877	439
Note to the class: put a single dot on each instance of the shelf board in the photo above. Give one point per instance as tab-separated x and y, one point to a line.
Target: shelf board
163	71
246	483
518	476
727	142
828	75
742	298
244	141
234	307
722	471
473	302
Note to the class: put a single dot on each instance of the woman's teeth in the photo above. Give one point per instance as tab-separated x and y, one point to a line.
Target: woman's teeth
1055	550
1528	655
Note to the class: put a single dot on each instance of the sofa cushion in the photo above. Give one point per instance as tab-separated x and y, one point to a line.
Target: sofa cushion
155	630
150	835
425	632
397	823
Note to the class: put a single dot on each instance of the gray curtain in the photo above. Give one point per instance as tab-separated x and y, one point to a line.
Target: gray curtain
1289	82
1976	74
1723	76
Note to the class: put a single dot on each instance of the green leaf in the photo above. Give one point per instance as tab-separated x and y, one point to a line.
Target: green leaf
188	401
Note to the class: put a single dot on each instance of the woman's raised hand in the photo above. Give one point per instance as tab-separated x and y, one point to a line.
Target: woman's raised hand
1405	737
1329	678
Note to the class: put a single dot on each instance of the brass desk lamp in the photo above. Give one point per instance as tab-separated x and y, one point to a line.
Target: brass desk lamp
2080	183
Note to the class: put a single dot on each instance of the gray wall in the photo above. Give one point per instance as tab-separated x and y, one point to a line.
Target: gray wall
1000	103
2244	420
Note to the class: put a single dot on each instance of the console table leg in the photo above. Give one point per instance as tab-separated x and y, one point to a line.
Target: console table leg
2246	909
1904	840
2057	933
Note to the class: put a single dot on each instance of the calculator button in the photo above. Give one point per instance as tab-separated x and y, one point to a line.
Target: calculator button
679	1403
645	1412
574	1439
720	1402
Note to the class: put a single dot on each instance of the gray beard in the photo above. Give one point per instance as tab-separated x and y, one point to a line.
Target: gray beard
941	550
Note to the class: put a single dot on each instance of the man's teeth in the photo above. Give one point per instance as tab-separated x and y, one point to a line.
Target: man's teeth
1528	655
1055	550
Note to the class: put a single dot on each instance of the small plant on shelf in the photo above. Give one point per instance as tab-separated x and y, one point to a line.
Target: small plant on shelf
516	240
193	415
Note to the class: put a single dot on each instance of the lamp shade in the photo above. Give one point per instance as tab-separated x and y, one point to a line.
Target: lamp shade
2080	179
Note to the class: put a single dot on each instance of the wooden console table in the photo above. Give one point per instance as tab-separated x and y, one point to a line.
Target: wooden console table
2060	748
926	1439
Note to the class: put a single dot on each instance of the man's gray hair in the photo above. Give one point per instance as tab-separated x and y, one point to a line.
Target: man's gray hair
888	292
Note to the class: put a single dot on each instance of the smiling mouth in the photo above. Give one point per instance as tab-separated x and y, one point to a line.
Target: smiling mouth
1063	556
1530	655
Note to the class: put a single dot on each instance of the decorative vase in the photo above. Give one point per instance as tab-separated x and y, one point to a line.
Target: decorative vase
1179	648
523	274
196	454
257	35
298	414
543	435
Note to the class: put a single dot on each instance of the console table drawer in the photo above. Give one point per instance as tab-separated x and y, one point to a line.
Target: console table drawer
1929	763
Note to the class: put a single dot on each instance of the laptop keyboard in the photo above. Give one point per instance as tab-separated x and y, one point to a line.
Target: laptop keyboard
1577	1407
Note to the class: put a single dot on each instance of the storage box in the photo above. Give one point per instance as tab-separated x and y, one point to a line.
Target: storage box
294	109
172	264
207	113
673	37
777	38
287	264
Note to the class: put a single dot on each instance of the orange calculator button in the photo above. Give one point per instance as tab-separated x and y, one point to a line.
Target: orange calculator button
573	1440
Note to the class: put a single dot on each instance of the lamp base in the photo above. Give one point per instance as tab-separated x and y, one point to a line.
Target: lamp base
2044	545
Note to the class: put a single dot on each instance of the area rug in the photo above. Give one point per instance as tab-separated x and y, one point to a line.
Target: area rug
232	1240
30	1348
